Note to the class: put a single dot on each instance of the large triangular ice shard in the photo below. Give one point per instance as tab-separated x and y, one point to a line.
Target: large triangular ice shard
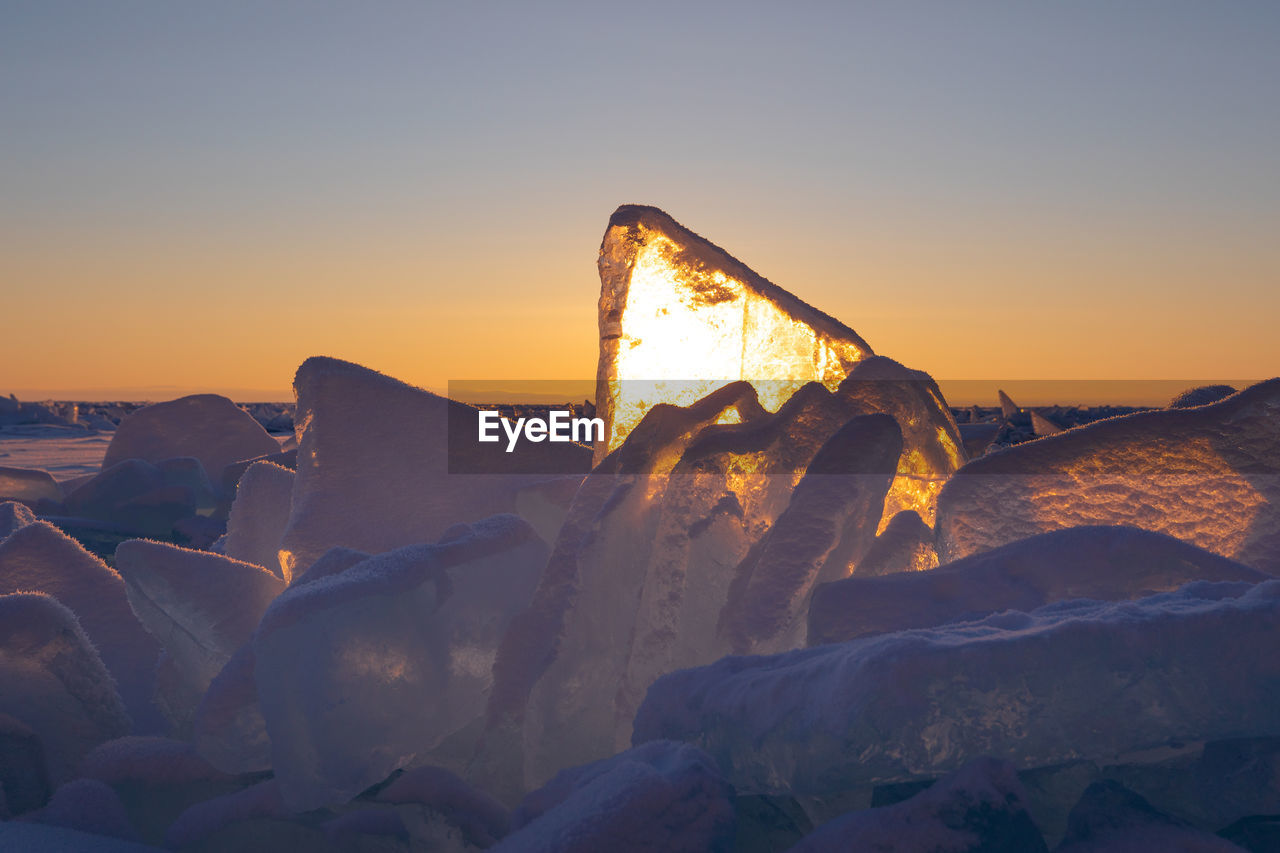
680	317
1208	475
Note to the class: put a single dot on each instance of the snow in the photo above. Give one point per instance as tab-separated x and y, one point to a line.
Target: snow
259	514
40	557
1029	688
374	465
53	681
36	838
1106	563
201	607
207	426
362	672
981	807
660	796
1209	475
65	452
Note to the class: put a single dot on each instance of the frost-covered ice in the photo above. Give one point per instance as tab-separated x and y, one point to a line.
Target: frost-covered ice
143	497
1208	475
39	557
207	426
334	561
53	681
675	306
1105	563
259	514
980	808
362	672
12	516
204	819
201	607
659	796
374	466
88	806
1028	688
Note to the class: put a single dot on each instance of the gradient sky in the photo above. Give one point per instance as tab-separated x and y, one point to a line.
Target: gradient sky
199	196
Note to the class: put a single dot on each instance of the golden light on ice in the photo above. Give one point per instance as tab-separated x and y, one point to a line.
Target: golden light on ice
679	317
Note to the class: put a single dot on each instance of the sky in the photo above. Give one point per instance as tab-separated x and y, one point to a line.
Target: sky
196	197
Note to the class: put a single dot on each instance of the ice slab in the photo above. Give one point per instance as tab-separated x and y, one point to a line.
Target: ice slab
264	498
361	672
827	526
905	545
674	307
228	729
978	809
659	796
201	607
374	466
39	557
1075	680
1208	475
52	680
1105	563
207	426
28	485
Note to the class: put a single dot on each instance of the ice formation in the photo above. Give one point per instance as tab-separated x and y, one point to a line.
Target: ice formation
259	514
209	427
28	485
1106	563
1111	819
1208	475
680	317
905	545
38	838
89	806
362	672
24	778
141	497
12	516
374	465
827	526
1027	688
659	796
648	574
52	680
41	558
228	729
201	607
980	808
